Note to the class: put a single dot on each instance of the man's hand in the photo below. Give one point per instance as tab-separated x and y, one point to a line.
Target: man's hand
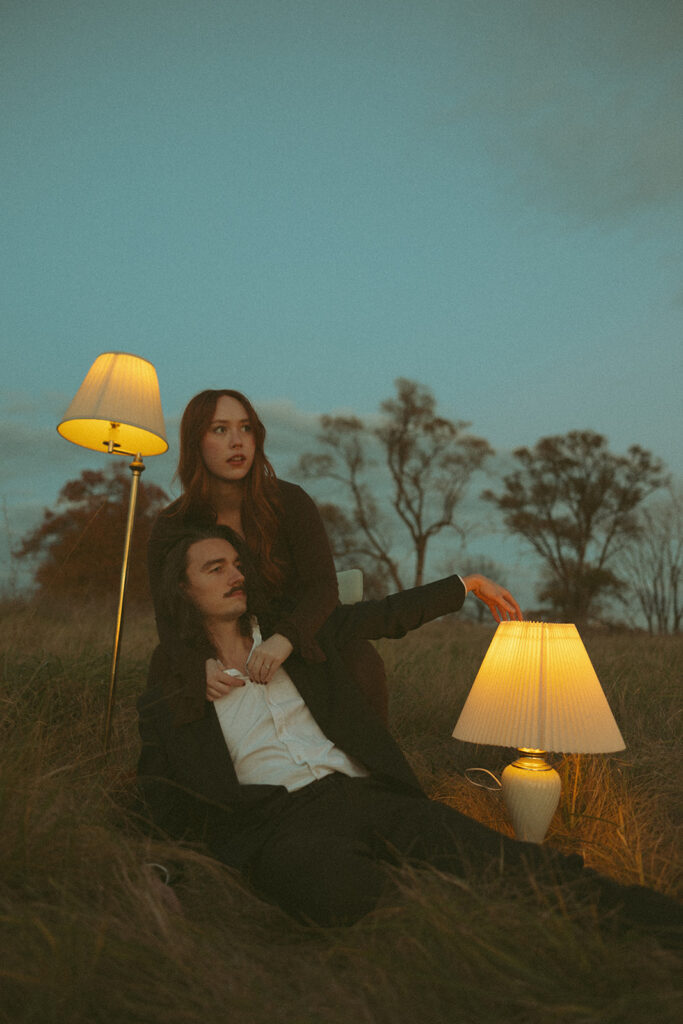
265	660
218	683
499	600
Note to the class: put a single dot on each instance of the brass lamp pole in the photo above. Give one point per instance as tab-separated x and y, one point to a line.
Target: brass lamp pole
117	409
137	467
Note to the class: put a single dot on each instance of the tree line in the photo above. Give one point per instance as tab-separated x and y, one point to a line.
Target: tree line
606	530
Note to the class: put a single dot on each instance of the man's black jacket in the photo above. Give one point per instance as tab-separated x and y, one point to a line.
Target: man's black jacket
185	772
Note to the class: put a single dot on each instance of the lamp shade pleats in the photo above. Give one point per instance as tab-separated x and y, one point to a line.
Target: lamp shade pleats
537	689
117	408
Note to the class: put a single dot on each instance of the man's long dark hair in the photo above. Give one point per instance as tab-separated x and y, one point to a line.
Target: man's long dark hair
181	611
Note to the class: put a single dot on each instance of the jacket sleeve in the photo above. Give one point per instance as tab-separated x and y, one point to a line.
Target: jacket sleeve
312	569
163	801
394	616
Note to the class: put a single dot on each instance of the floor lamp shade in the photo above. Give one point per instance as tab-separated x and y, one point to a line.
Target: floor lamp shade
537	690
117	408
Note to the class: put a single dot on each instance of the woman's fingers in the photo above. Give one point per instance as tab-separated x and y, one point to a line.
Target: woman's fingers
218	682
266	659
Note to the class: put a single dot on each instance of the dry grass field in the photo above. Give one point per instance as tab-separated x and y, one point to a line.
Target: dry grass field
88	934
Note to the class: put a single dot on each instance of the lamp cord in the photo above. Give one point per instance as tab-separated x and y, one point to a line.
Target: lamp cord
482	785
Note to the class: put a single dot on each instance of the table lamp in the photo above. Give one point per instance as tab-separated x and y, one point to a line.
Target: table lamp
117	410
537	690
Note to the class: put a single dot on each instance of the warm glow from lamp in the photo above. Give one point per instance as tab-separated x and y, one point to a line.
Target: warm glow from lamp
537	690
117	408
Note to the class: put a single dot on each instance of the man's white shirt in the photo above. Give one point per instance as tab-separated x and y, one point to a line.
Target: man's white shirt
271	735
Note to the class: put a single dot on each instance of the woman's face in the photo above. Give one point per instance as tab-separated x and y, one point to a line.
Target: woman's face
228	446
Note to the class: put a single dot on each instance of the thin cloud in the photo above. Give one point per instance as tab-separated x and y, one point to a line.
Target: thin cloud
582	104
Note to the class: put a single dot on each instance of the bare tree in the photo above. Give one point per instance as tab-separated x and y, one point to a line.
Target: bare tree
351	551
652	564
575	503
430	460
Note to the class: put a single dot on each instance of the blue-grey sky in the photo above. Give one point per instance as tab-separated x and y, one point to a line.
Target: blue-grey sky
306	199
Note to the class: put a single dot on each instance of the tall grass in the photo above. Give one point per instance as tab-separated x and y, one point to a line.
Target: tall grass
89	933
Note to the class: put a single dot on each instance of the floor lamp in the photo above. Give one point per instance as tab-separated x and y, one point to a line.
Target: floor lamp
537	690
117	410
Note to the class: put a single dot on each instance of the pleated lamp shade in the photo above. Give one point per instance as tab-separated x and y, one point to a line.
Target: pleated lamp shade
117	408
537	689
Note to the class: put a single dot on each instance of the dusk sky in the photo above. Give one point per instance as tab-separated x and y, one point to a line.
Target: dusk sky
306	200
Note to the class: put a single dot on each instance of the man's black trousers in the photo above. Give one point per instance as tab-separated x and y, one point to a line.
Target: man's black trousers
321	852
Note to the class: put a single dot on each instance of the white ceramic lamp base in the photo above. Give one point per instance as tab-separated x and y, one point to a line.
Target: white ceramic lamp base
531	790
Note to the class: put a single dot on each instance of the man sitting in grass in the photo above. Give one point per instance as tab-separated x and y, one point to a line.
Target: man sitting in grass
296	782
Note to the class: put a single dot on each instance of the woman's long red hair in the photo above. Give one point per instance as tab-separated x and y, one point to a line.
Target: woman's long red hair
260	506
